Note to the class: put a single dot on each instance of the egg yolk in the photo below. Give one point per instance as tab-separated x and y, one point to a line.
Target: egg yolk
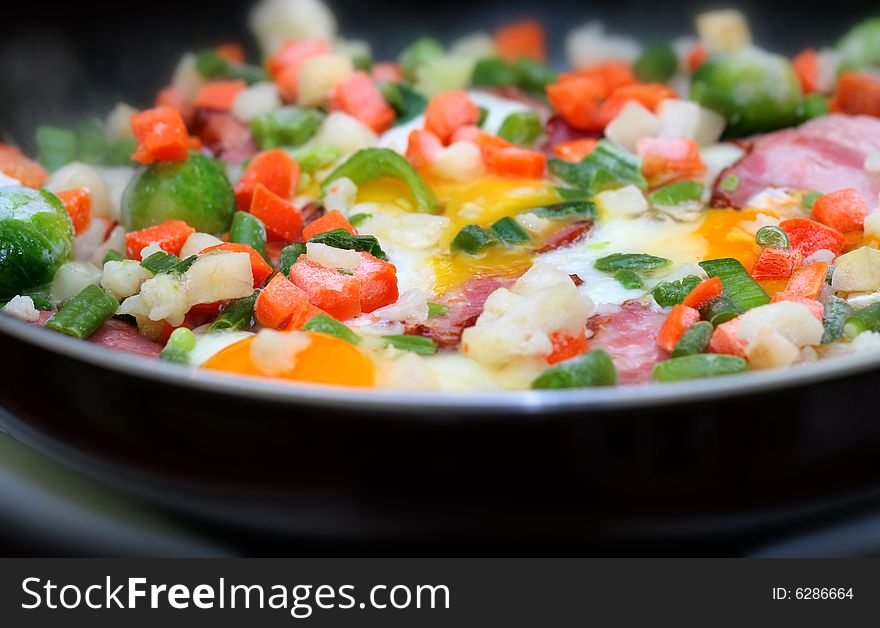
327	360
725	236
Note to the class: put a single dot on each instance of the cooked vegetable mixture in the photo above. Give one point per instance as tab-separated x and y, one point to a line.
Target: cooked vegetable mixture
465	216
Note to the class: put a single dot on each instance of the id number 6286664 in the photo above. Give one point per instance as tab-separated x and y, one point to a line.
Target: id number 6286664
813	593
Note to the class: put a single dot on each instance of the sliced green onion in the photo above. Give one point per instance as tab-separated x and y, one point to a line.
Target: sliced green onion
697	366
358	219
56	146
494	72
415	344
594	368
572	194
374	163
183	265
669	293
316	158
738	284
160	262
287	126
835	314
289	255
566	209
628	278
212	66
630	261
677	193
866	319
772	236
694	340
729	183
342	239
406	102
250	230
521	127
113	256
607	167
180	344
657	64
473	239
719	310
810	198
510	232
437	309
83	314
236	315
323	324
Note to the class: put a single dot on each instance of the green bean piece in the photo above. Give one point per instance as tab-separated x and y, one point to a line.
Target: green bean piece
866	319
669	293
630	261
481	119
694	340
628	278
81	316
566	209
494	72
415	344
836	312
773	237
533	76
738	284
521	127
323	324
248	229
473	239
510	232
698	366
236	315
180	343
719	310
287	126
289	255
594	368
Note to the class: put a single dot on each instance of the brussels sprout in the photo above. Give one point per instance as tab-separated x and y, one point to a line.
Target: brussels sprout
658	63
195	191
36	238
755	90
861	45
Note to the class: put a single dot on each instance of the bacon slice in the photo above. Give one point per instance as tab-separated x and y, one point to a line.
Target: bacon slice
630	338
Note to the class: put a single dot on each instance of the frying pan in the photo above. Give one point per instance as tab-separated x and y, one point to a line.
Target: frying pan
676	465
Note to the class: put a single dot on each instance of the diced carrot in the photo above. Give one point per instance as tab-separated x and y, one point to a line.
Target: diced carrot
331	221
170	236
259	267
387	71
513	161
521	39
806	66
858	92
303	314
231	52
78	203
161	135
808	281
358	96
378	282
13	163
577	101
219	95
696	56
281	218
273	168
725	340
575	150
449	111
423	148
704	292
809	236
566	346
844	210
285	65
816	308
650	95
611	74
667	159
278	301
680	319
776	263
334	292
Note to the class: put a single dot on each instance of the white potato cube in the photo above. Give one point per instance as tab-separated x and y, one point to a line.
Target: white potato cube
589	45
724	30
274	22
475	45
444	73
411	307
688	120
79	175
319	75
198	242
330	257
71	278
857	271
340	195
461	161
770	349
633	123
345	133
256	100
621	203
187	79
408	372
794	321
117	124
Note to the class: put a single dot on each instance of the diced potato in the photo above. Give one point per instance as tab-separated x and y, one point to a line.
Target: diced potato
117	124
89	241
319	75
770	349
589	45
353	48
794	321
79	175
116	179
198	242
274	352
186	79
724	30
872	223
22	308
72	278
444	73
418	231
533	222
256	100
114	242
219	276
408	372
411	307
340	195
330	257
688	120
857	271
620	203
475	45
633	122
274	22
461	161
345	133
124	278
